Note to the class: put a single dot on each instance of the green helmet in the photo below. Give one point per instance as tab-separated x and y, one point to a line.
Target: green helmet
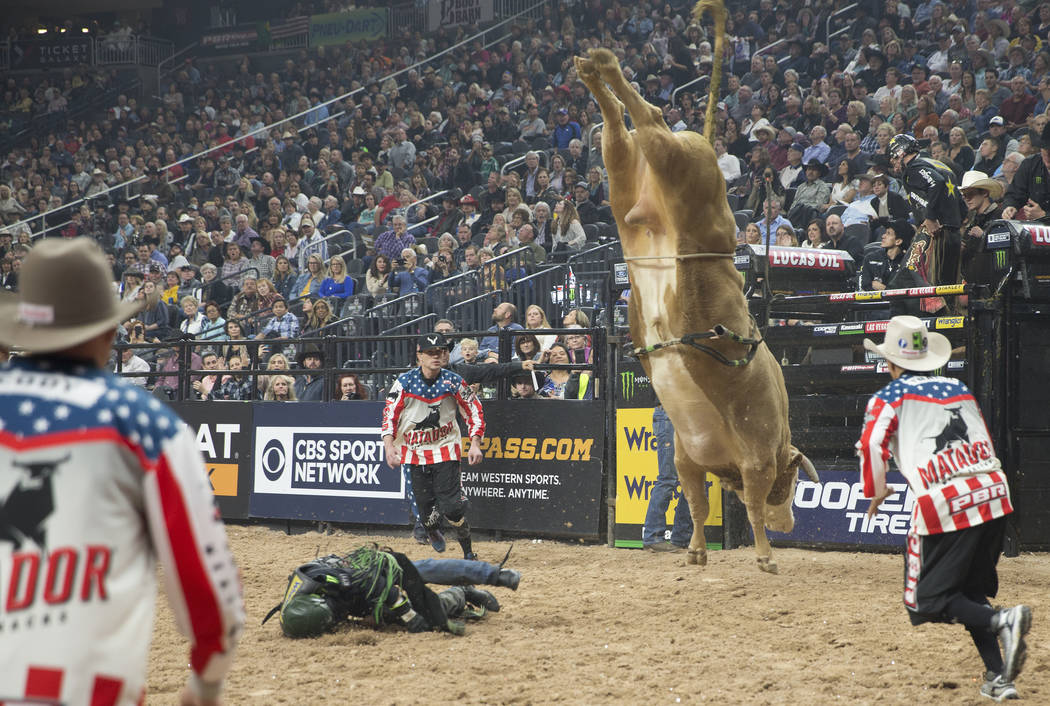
306	615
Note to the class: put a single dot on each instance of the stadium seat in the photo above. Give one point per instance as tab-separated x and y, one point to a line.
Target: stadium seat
837	209
789	197
859	231
591	231
742	219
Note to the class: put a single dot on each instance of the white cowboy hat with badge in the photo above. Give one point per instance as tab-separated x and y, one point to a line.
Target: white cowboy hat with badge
910	346
65	297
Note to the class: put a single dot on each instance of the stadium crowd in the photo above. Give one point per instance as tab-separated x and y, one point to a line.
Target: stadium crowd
230	231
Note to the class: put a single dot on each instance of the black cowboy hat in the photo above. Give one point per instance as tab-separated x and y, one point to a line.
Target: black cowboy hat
818	165
308	350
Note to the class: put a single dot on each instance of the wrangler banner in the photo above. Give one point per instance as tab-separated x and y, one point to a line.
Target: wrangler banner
224	434
542	472
636	472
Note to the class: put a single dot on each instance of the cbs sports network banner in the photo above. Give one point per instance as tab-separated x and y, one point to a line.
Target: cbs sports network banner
541	473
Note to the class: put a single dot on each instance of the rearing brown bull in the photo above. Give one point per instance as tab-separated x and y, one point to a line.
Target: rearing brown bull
723	390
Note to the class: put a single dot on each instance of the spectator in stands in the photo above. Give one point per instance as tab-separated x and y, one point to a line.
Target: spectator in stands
772	218
377	281
267	294
193	321
527	347
154	316
844	189
567	235
338	284
524	385
319	316
766	187
213	287
888	204
579	346
234	384
349	387
264	263
881	266
215	326
280	388
409	277
541	224
565	130
815	235
203	387
309	281
554	386
284	277
245	302
168	363
133	368
837	239
504	318
392	242
308	388
282	324
235	267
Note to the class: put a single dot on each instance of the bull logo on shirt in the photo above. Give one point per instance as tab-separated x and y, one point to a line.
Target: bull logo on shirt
954	430
27	507
432	420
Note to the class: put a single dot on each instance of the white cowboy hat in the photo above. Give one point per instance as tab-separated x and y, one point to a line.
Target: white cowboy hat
909	345
65	297
980	180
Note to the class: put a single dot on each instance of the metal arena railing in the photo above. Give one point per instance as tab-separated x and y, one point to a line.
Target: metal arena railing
391	355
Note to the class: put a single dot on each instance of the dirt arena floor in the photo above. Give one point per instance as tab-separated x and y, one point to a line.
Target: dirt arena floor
595	625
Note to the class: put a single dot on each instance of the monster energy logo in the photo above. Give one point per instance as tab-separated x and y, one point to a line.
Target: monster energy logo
1000	259
627	381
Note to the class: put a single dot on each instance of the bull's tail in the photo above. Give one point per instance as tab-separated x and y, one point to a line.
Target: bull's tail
718	12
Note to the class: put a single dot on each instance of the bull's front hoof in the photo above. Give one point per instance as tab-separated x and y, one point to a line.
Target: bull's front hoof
767	564
697	557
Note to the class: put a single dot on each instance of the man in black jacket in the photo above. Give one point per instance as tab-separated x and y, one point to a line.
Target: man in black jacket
887	204
1028	197
938	206
881	266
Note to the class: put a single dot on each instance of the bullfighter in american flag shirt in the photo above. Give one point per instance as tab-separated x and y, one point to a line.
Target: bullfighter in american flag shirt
934	429
98	481
420	429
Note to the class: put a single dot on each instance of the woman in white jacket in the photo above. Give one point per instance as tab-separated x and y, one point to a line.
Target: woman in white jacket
567	233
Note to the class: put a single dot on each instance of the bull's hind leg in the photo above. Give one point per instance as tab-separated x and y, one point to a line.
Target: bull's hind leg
693	478
756	488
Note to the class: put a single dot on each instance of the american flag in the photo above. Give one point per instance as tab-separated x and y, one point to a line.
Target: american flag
291	27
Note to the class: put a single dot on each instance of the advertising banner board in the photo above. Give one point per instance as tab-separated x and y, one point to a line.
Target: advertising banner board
352	26
636	471
542	472
325	462
833	512
45	53
224	436
451	13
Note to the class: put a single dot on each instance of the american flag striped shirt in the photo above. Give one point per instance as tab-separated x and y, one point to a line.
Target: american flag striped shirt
421	416
933	427
99	481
